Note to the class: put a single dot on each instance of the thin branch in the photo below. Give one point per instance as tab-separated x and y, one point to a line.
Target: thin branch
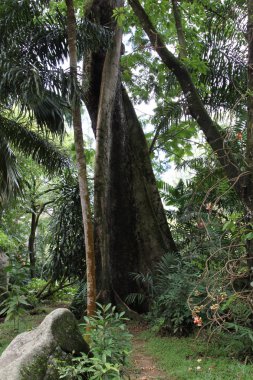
196	106
180	31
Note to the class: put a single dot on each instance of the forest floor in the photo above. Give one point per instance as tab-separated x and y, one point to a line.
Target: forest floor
143	365
186	358
155	357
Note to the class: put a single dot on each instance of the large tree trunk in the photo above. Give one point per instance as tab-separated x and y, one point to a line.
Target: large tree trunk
81	162
138	233
109	82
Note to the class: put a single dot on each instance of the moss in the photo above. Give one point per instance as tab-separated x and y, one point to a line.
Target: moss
44	367
36	370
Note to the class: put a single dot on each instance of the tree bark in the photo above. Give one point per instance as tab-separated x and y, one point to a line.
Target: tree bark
138	233
248	193
179	29
31	243
109	81
81	162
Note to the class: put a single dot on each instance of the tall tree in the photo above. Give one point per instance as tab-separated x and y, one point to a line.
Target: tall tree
109	83
136	225
240	179
134	219
33	42
81	162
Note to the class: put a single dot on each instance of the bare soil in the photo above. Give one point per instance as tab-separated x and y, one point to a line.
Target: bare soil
143	365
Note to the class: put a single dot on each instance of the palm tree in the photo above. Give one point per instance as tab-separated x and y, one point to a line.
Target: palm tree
33	43
25	97
16	135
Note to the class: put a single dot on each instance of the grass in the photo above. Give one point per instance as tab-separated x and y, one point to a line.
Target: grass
190	358
27	322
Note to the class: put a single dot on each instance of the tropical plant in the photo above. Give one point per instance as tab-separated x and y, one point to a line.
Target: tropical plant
66	233
16	299
167	290
17	135
109	344
15	305
33	42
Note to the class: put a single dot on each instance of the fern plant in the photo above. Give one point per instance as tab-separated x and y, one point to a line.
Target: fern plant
166	292
13	307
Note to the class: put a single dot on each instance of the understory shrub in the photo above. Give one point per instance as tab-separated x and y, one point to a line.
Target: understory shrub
15	305
166	290
110	346
225	306
232	328
16	299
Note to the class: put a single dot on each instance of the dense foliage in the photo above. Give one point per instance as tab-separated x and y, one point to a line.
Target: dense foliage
109	348
208	282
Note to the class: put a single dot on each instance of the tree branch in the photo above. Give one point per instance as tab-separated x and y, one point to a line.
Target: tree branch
157	133
179	28
195	104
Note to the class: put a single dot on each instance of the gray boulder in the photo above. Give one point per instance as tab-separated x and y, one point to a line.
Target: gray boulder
29	355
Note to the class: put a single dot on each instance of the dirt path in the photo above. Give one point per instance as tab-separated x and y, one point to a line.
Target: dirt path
144	366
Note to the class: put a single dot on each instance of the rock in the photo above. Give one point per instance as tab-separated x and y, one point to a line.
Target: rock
29	355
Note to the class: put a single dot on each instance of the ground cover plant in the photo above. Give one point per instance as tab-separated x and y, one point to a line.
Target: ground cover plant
194	358
28	322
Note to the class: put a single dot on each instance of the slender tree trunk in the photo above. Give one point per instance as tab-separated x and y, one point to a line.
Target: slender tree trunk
81	162
31	243
248	193
36	213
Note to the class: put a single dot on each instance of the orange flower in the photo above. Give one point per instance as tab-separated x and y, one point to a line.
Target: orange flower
239	135
197	321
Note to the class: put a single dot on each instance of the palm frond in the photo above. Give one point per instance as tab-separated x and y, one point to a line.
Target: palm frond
137	298
33	43
9	174
49	113
67	238
33	144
